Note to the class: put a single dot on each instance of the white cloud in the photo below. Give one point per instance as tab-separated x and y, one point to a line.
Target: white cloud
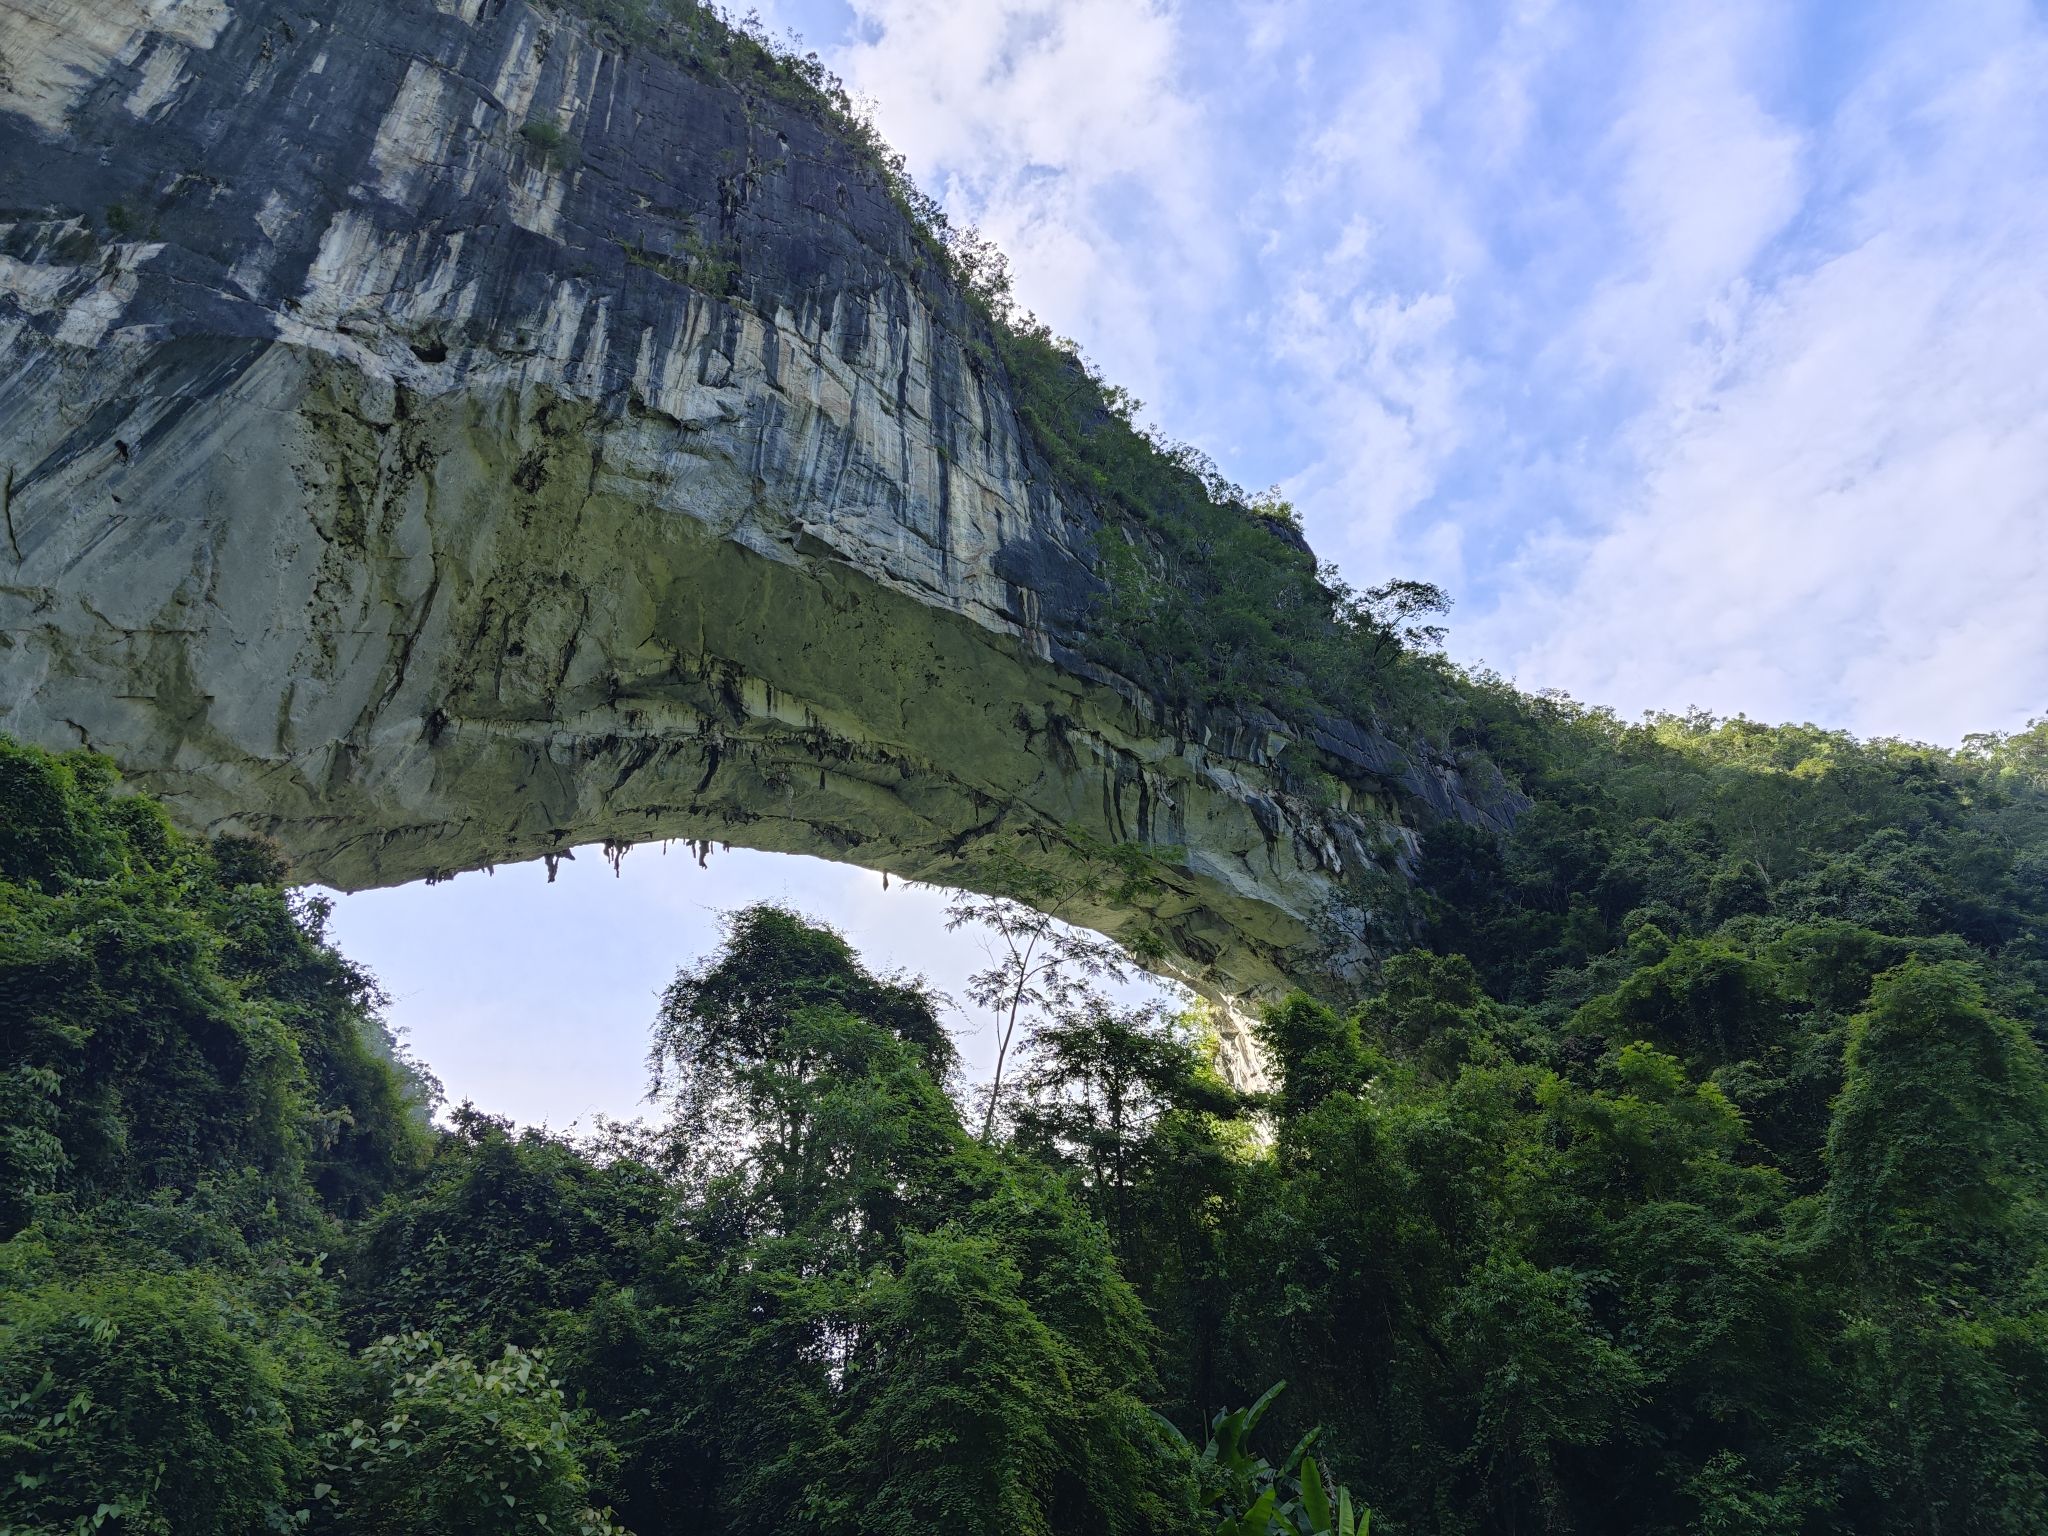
1706	179
1531	37
1839	502
1049	124
1269	24
1383	379
1380	233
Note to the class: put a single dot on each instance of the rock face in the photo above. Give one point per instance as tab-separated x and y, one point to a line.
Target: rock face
432	437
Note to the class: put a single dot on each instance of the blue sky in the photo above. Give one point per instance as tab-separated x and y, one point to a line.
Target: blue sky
1700	351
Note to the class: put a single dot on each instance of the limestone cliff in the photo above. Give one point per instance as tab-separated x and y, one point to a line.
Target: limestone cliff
434	436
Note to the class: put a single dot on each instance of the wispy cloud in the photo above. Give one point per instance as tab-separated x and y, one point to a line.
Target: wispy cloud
1383	249
1061	128
1703	178
1833	501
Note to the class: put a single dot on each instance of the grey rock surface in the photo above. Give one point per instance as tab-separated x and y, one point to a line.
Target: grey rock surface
426	489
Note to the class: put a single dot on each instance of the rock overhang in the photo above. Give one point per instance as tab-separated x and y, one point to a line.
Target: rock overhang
390	485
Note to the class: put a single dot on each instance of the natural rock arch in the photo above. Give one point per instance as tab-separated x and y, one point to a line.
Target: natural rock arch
380	479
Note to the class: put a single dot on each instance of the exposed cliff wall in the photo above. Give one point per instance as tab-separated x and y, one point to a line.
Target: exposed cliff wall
434	437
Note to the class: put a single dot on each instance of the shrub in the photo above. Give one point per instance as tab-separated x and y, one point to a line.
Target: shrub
556	149
138	1396
446	1447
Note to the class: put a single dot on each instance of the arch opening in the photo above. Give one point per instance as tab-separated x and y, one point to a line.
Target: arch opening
536	997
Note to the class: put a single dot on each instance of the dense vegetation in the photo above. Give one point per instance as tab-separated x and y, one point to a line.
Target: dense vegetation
1685	1175
1682	1170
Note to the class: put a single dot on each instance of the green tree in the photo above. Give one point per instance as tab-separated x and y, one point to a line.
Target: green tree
1935	1156
1111	1092
172	1013
955	1404
504	1235
1043	967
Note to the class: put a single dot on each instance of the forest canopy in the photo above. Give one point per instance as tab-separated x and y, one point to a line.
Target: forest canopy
1681	1171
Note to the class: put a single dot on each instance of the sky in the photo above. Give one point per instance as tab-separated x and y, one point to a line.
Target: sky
1700	352
535	1000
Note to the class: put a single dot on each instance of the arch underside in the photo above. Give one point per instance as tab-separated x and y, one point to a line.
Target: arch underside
440	634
